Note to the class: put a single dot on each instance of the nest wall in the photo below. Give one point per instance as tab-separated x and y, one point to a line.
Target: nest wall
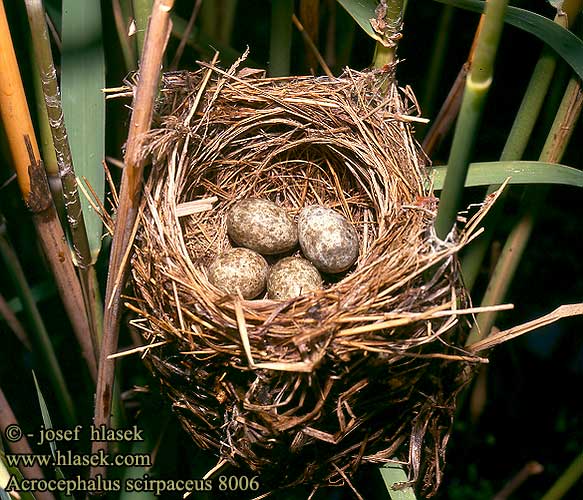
365	370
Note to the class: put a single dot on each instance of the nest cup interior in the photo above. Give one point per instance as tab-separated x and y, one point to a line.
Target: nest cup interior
305	390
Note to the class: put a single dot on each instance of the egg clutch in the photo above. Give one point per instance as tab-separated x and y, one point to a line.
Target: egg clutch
328	243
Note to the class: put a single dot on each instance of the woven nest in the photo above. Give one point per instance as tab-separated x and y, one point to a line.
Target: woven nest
365	370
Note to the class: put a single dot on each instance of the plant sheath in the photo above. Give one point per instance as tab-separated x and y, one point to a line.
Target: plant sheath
388	24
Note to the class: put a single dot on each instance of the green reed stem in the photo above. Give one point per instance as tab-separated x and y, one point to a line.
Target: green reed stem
385	52
281	37
476	90
526	117
438	58
142	11
567	480
513	150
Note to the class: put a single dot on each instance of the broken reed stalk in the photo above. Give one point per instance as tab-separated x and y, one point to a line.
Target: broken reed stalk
33	185
21	447
155	44
75	218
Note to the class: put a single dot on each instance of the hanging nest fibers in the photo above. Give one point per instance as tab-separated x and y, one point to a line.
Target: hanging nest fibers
365	370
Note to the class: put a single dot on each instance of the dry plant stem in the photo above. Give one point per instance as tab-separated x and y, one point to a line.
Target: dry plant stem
529	469
310	44
185	35
447	113
533	201
13	322
127	48
42	341
20	447
154	46
564	311
451	106
33	184
75	219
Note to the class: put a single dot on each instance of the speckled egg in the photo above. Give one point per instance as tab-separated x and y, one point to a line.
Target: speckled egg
239	269
263	226
327	239
292	277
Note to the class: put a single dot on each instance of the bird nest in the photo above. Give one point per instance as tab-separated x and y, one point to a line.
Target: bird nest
364	370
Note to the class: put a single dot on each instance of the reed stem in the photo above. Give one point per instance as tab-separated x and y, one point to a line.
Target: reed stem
476	90
130	192
75	218
281	37
389	23
516	143
567	480
438	58
142	10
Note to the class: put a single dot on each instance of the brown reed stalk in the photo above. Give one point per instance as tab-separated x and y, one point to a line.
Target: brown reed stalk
156	39
13	323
